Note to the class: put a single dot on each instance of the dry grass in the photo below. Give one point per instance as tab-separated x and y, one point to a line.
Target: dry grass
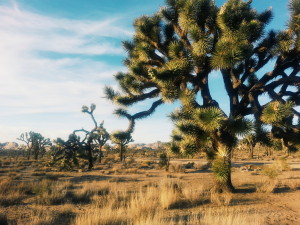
271	171
221	199
227	216
195	193
176	168
136	197
266	186
169	197
11	192
293	184
44	216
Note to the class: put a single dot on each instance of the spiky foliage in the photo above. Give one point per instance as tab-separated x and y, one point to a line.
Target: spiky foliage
277	113
121	139
173	53
67	153
280	116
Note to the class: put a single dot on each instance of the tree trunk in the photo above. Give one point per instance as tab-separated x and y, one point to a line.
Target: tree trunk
90	157
285	146
121	152
222	172
100	153
28	154
251	151
222	165
36	154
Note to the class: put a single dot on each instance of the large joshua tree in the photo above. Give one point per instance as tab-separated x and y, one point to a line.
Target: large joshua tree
173	53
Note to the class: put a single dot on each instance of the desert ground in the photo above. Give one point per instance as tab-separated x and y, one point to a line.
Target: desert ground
140	192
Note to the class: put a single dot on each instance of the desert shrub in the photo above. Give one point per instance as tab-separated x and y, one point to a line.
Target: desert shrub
275	169
271	171
189	165
170	194
281	164
267	186
224	198
164	161
194	193
176	168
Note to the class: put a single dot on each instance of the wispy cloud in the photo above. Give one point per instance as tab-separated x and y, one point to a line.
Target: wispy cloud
33	84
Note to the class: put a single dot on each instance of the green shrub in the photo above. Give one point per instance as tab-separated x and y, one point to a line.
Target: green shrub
164	161
271	171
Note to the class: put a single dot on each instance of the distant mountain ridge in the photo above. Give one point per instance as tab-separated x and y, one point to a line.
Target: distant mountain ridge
9	145
155	145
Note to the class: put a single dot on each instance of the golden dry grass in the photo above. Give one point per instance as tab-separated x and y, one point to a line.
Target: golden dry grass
130	195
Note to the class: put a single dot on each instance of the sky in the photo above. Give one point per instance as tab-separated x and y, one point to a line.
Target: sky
57	55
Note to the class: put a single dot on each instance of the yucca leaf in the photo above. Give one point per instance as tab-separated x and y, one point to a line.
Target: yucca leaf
110	94
275	112
238	127
209	119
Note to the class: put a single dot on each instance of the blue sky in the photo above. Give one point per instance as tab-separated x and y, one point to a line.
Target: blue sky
57	55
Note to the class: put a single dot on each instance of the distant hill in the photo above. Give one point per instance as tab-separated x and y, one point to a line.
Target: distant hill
9	146
153	146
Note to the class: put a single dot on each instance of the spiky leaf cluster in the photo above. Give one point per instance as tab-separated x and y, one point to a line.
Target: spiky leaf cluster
240	26
277	113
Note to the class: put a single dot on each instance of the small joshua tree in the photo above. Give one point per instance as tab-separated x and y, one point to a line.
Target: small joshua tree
121	138
67	152
99	134
35	143
75	147
279	115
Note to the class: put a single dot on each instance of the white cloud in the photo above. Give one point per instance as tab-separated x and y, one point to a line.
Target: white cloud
35	86
45	94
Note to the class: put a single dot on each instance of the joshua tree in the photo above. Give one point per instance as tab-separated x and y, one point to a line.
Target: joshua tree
75	147
35	143
173	53
280	116
121	138
98	134
67	152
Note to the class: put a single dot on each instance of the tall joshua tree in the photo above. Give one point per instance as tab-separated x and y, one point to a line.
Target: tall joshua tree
97	136
173	53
